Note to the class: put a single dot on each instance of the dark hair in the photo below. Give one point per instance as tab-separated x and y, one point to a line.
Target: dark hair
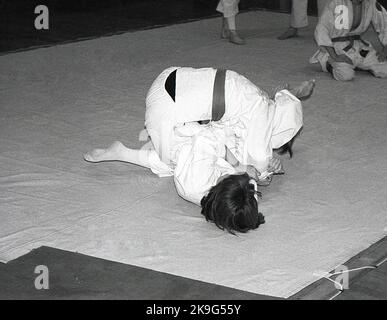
287	147
231	204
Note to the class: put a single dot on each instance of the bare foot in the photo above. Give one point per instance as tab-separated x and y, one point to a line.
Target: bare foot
290	33
110	154
304	90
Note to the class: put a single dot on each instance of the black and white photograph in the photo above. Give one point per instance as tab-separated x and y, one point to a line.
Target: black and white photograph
196	155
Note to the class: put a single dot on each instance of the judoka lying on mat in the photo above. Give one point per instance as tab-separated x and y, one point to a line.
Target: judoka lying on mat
338	34
214	131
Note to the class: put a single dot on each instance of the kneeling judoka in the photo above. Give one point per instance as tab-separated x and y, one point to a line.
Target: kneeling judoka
338	34
214	131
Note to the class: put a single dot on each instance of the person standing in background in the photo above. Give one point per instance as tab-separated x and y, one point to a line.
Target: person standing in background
229	9
299	17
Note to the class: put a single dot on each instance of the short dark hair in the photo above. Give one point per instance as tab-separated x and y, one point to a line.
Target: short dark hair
287	147
231	204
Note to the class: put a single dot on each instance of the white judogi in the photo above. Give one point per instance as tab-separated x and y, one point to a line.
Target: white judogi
299	13
251	127
229	8
362	54
200	162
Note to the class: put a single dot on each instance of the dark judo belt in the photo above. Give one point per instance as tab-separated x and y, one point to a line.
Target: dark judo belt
218	93
351	40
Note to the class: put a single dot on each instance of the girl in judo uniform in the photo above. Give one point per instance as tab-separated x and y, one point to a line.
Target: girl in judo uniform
338	35
217	159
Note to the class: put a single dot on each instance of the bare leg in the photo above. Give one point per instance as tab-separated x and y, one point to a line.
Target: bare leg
298	19
118	152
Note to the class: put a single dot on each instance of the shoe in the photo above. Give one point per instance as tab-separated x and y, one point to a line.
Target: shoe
235	38
290	33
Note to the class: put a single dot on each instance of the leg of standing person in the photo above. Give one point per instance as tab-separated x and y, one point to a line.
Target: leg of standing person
320	6
229	8
298	19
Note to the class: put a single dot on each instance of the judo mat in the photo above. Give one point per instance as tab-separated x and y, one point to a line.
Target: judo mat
59	102
78	276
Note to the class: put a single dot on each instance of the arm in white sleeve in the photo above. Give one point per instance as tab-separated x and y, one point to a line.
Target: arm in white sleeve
257	150
200	165
324	28
379	21
156	165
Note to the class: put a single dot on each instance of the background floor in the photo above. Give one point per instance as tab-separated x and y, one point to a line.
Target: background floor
80	19
72	20
58	102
